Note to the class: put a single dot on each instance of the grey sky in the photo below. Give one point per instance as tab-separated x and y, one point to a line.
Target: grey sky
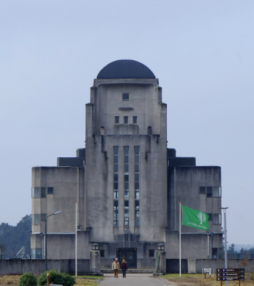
201	51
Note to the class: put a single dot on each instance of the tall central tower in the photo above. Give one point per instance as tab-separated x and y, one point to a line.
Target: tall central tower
126	154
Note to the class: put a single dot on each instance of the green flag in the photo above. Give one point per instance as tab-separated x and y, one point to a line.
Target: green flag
194	218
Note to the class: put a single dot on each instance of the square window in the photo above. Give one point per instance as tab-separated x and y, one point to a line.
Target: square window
116	119
134	119
125	96
43	192
202	190
125	119
151	252
50	190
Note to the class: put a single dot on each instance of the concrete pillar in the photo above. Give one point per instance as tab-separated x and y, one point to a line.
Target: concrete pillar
95	262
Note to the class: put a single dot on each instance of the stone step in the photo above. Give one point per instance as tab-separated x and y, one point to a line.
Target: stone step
130	270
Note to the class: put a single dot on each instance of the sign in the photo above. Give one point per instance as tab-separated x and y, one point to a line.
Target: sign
208	270
230	274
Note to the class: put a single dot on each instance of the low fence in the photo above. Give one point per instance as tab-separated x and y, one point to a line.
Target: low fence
37	266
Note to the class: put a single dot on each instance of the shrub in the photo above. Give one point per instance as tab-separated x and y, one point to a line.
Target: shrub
54	278
27	279
68	280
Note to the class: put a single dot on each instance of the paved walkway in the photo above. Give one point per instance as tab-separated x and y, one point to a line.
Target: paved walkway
134	280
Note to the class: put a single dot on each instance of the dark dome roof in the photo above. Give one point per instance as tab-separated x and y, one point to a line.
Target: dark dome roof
125	69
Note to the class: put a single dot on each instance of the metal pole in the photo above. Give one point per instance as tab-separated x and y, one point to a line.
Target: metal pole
180	240
46	263
225	241
76	241
208	249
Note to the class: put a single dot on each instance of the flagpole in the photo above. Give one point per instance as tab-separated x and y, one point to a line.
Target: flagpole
180	239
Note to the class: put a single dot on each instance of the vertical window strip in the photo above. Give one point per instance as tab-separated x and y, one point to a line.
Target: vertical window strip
126	213
136	176
115	213
115	185
126	172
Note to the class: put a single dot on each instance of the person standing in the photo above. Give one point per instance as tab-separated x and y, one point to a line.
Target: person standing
115	267
124	267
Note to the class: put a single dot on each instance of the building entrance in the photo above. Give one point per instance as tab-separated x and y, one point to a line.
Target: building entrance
130	255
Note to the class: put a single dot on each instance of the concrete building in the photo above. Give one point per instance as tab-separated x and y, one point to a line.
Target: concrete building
126	182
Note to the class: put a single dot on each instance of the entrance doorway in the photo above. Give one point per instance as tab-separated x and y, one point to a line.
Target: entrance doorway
130	256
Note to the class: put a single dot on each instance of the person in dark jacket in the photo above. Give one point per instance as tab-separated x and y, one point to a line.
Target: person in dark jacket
124	267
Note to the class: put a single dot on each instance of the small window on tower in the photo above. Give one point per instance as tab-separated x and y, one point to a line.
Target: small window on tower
116	119
125	96
125	119
134	119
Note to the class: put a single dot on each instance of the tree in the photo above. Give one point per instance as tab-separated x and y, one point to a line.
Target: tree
14	237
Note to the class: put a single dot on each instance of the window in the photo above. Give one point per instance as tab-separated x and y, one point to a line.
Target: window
210	217
136	213
102	253
126	172
125	119
125	96
115	176
36	219
50	190
134	119
126	213
43	216
38	253
43	192
116	119
210	192
151	252
216	218
136	184
32	253
115	213
214	253
36	192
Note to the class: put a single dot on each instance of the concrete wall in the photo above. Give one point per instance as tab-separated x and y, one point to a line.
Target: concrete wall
18	267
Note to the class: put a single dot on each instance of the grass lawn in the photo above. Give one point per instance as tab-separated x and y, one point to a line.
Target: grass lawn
13	280
198	279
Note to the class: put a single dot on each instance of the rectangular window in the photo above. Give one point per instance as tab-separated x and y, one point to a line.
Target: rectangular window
36	192
137	195
126	213
32	253
216	218
102	253
38	253
43	216
134	119
126	190
125	96
151	252
136	213
211	192
210	217
50	190
116	119
36	219
136	178
125	119
115	177
115	213
43	192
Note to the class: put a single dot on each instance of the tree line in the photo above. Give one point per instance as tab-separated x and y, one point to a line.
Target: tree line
13	238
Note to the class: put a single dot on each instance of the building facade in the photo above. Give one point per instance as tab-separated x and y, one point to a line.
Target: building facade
127	184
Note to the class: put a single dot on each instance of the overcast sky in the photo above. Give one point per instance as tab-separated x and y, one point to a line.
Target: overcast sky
201	51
